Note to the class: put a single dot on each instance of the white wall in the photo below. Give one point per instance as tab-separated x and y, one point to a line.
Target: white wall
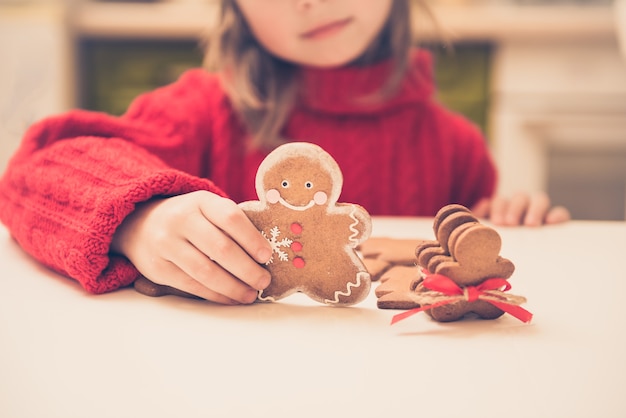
36	67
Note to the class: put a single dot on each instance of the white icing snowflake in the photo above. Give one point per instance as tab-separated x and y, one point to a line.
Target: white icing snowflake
277	245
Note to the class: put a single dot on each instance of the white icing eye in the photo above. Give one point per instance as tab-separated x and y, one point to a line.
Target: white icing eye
308	185
285	184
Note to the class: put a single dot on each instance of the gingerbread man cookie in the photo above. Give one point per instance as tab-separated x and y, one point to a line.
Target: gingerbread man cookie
460	273
312	236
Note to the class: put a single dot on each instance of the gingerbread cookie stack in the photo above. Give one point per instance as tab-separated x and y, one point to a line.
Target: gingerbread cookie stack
459	273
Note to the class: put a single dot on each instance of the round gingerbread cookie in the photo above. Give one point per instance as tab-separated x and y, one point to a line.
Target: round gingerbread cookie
313	237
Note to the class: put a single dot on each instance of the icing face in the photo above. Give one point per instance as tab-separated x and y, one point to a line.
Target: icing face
297	183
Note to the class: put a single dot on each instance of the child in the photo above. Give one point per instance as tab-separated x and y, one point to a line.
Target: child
104	200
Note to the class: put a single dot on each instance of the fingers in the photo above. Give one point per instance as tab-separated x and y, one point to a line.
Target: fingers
207	279
538	207
223	250
558	214
497	212
227	216
523	209
516	210
216	246
216	257
230	239
170	274
481	209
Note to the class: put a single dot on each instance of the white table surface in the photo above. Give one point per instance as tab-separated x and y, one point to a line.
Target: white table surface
64	353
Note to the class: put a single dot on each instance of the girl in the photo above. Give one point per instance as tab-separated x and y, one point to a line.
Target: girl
104	200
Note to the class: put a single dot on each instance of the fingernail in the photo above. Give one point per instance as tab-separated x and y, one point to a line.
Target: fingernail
250	296
264	255
532	221
264	281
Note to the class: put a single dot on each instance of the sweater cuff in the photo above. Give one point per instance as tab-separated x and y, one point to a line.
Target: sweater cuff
66	215
102	272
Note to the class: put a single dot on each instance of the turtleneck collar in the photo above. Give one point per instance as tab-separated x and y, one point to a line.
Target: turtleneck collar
335	90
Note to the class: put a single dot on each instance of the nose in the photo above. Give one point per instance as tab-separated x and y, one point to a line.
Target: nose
304	5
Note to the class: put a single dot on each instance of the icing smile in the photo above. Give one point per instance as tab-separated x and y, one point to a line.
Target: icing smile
293	207
319	198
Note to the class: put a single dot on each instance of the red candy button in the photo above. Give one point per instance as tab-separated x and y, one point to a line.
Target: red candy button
296	246
298	262
296	228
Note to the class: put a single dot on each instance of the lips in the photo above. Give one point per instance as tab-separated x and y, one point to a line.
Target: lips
326	29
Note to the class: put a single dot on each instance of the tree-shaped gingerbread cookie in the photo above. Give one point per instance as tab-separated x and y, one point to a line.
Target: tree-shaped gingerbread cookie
312	235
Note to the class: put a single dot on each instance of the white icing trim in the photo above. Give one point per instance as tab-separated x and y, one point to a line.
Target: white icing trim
349	287
353	238
265	299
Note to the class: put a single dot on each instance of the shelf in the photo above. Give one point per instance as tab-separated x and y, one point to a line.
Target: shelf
486	22
506	22
144	20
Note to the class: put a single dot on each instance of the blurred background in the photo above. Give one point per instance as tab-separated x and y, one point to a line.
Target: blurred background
545	79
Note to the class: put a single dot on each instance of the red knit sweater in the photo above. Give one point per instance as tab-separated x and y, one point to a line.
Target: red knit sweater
76	176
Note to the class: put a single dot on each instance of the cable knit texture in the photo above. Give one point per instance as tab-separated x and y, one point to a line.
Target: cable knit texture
76	176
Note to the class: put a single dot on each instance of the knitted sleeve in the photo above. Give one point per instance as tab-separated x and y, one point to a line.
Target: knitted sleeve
75	177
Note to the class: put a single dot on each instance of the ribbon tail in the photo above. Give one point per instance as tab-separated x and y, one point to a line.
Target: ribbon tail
404	315
514	310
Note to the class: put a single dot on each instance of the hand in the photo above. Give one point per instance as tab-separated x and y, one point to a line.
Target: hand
521	209
198	242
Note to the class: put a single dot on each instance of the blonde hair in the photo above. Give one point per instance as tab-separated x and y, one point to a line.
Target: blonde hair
263	88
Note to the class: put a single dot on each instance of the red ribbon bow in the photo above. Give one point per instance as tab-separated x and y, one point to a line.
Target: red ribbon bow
448	287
